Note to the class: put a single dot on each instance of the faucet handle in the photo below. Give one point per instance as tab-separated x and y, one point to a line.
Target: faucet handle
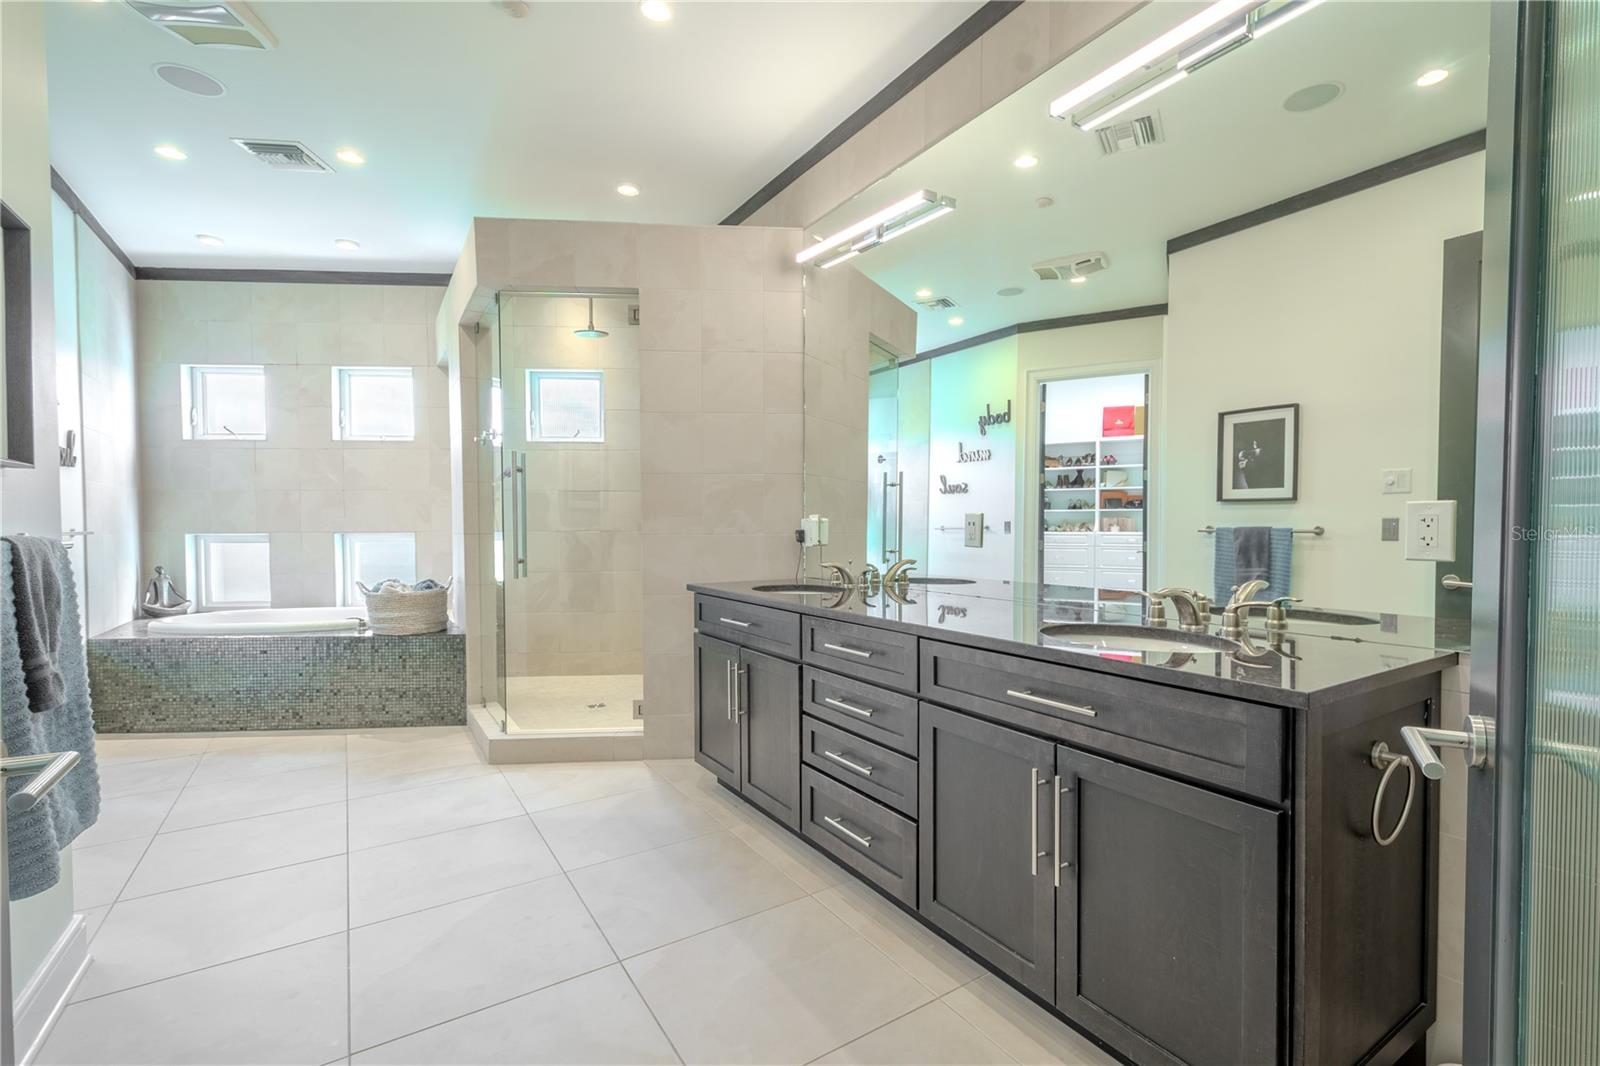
1156	611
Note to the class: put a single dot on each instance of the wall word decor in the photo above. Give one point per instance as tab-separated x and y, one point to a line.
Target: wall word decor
989	418
976	455
951	488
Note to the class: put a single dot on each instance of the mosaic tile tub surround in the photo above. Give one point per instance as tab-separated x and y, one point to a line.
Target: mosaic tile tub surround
144	684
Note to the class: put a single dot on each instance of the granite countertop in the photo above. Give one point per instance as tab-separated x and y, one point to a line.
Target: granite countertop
1317	662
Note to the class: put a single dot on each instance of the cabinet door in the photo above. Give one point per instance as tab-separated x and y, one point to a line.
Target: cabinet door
716	729
1167	918
767	704
983	842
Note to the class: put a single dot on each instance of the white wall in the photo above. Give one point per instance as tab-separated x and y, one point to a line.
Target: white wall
1336	308
30	500
109	391
299	485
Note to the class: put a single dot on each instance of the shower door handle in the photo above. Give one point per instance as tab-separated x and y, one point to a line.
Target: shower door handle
519	493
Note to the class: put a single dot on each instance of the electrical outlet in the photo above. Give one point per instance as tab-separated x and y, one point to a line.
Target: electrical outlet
974	530
1431	530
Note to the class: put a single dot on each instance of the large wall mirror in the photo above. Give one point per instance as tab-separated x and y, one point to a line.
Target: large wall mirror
16	336
1220	322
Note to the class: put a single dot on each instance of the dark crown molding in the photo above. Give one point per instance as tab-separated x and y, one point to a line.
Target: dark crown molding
1445	152
65	191
300	277
1038	325
976	24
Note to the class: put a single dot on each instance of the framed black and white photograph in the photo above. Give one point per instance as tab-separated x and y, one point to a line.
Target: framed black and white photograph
1258	453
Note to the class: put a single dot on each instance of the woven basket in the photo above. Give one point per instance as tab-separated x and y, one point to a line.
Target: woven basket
401	614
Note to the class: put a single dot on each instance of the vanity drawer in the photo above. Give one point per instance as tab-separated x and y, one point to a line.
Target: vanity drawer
1128	558
871	768
1214	739
883	656
763	628
863	834
1126	580
867	710
1079	577
1119	540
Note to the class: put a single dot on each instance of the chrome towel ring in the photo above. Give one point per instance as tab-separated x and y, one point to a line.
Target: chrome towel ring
1387	761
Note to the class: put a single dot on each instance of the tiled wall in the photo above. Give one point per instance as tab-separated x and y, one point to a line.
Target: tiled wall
299	485
580	609
1014	51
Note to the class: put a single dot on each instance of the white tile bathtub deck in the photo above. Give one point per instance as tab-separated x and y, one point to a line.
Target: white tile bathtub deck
387	897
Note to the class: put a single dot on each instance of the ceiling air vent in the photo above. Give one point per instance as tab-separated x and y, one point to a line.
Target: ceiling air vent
936	303
283	155
1126	136
1080	265
214	23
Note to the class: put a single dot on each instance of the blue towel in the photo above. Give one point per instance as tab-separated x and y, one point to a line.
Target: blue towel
36	837
1224	565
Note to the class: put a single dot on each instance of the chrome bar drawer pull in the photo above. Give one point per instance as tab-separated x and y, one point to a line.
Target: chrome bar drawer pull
1072	708
857	652
865	712
727	673
864	771
1033	821
860	838
734	622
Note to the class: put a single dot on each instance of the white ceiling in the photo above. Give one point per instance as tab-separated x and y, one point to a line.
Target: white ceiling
1230	147
461	110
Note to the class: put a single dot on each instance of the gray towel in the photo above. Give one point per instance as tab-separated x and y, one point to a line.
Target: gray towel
36	837
37	587
1238	557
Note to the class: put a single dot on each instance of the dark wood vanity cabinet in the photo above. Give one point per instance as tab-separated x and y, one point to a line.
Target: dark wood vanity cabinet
1187	876
747	724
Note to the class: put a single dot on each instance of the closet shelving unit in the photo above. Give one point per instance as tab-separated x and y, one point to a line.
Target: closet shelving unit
1075	505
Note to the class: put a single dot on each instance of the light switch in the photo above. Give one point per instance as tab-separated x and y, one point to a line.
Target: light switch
1397	482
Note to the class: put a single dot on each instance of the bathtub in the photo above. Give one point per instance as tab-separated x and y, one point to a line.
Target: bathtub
261	622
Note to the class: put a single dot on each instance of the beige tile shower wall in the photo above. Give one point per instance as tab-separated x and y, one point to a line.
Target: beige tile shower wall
299	485
580	609
845	312
1014	51
721	337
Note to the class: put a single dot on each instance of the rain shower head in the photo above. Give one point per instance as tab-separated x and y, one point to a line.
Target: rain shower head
589	332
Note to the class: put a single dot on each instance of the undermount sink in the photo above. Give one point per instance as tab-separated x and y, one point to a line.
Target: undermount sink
799	589
941	581
1134	639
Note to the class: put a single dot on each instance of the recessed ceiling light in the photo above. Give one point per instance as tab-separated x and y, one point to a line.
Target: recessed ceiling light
207	238
1025	161
956	320
172	152
656	10
1432	77
1078	280
924	294
351	156
628	188
345	244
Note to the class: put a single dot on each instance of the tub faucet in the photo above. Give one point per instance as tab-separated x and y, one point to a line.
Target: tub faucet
895	576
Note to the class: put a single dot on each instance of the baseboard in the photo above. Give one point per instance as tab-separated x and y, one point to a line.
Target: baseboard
46	995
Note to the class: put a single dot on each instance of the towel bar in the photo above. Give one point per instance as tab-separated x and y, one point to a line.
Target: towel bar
1315	531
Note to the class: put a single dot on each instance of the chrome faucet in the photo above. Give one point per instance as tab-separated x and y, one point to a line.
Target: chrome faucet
840	576
1246	591
1191	617
895	576
1236	616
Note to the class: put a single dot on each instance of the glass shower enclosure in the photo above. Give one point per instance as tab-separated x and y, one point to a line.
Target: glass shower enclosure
559	492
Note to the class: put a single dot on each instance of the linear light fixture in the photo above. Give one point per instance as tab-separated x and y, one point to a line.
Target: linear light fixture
1173	56
1191	28
899	217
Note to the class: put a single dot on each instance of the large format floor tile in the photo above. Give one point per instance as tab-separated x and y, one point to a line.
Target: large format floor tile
214	852
131	817
235	758
161	936
397	879
417	812
655	897
424	968
933	1035
582	834
785	985
594	1018
109	751
424	765
393	741
152	775
1020	1027
281	1007
940	967
100	872
250	797
541	786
